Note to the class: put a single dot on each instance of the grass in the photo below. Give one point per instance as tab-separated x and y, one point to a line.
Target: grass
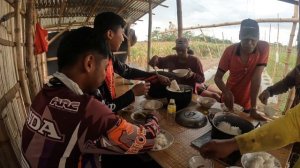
203	50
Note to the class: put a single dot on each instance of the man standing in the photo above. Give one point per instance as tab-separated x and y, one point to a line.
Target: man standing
245	62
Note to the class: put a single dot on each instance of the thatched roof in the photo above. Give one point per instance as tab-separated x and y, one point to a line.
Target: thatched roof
60	13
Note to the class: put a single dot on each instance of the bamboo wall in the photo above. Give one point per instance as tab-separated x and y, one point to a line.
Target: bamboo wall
12	108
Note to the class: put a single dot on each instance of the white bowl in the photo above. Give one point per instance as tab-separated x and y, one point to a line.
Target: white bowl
249	156
199	161
206	101
151	104
169	137
180	72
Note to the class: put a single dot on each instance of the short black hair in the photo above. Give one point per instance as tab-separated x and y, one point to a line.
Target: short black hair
108	21
76	43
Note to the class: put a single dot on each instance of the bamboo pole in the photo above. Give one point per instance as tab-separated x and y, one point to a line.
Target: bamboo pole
289	50
128	44
44	68
206	43
29	49
149	34
20	56
264	20
179	18
276	54
60	33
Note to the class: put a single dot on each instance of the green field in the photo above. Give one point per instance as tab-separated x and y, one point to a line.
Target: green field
201	49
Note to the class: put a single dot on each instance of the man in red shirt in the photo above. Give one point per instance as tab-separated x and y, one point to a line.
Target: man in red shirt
245	62
184	60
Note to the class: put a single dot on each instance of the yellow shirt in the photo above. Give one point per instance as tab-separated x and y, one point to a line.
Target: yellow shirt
274	135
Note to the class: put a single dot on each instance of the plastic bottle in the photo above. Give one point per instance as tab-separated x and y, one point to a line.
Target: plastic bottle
171	111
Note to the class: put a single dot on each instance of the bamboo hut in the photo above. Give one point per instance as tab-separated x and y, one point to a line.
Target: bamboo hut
22	73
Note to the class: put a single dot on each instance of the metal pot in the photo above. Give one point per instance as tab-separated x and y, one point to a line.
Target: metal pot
233	120
182	98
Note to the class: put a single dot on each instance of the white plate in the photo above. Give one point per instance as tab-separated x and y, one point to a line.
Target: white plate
236	108
199	161
151	104
180	72
246	157
169	137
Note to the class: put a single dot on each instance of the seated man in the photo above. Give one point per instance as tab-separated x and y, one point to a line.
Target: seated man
109	26
184	60
65	122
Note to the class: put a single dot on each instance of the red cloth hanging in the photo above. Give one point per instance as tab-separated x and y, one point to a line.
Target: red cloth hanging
40	40
110	78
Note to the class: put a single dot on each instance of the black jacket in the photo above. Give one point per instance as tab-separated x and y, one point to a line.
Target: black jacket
128	73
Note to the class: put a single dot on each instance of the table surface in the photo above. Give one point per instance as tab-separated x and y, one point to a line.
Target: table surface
179	153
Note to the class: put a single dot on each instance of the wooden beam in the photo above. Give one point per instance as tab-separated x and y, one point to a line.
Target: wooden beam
156	3
149	33
291	1
266	20
51	59
179	18
63	25
62	11
60	33
8	97
6	42
92	13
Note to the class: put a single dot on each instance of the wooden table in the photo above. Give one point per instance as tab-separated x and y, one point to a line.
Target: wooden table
178	154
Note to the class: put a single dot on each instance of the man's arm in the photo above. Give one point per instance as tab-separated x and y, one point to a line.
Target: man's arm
228	96
271	136
255	85
107	133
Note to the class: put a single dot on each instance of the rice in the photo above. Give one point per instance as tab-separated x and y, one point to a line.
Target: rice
160	141
174	86
226	127
261	160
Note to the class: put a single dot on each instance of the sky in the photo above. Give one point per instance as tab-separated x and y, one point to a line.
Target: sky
203	12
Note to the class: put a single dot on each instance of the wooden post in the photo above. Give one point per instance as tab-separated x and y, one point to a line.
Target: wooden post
33	83
289	50
149	33
276	54
179	17
128	43
20	56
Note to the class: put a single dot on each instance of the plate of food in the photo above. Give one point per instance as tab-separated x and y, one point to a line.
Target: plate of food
152	104
200	162
163	140
260	160
206	102
181	72
236	108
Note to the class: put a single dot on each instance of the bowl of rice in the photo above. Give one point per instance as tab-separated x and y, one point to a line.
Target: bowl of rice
163	140
260	159
228	125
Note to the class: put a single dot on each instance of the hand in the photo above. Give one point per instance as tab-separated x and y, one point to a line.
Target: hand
189	74
228	99
264	96
257	116
154	61
141	89
218	148
163	80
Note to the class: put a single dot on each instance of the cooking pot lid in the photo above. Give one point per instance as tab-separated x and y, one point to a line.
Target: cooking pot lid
191	118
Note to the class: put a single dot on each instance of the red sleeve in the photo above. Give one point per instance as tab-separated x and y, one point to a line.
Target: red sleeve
264	53
198	72
224	63
166	62
110	134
